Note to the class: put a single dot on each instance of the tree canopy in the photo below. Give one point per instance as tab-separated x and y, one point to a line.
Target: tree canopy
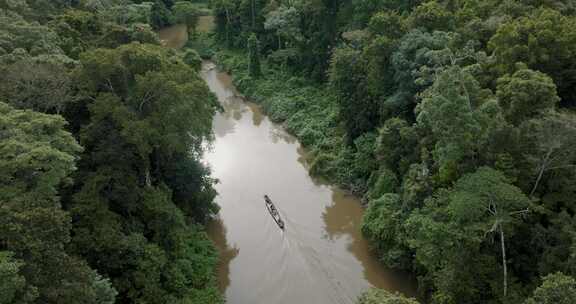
102	190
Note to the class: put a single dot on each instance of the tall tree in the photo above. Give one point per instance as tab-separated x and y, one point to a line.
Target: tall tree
526	94
358	109
160	15
284	20
487	195
452	228
461	116
552	139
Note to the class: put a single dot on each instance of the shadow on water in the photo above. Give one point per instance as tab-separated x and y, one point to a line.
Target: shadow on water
174	37
343	219
217	232
205	24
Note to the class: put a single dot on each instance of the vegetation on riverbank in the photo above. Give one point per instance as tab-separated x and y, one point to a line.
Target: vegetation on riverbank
455	119
102	192
307	111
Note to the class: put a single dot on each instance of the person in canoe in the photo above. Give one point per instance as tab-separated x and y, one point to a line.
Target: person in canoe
273	210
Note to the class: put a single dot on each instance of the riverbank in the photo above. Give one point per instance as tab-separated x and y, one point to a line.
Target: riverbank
310	113
206	249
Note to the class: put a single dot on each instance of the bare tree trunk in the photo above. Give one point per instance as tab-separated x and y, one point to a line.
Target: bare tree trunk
147	177
541	172
504	267
537	180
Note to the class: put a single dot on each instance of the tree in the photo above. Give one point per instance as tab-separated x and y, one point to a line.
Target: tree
358	109
33	37
382	225
254	55
83	22
380	220
407	60
487	194
397	145
432	16
461	117
556	288
552	140
545	42
451	231
387	23
526	94
284	20
223	19
385	181
193	59
192	187
558	241
127	14
456	266
320	29
379	72
37	154
160	16
185	12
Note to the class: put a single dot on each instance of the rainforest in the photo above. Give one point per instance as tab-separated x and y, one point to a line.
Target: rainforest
416	151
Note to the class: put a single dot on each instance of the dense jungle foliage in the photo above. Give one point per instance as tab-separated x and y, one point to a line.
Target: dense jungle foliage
455	119
102	192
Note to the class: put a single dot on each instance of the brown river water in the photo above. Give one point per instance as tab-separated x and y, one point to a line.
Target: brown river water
321	256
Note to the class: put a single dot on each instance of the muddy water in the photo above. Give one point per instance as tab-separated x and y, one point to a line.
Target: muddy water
205	24
174	37
321	256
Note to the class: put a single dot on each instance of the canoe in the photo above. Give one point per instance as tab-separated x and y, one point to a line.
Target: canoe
273	212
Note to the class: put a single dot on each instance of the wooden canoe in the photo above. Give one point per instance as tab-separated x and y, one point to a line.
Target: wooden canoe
273	212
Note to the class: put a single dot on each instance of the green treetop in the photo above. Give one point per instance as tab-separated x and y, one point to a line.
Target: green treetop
556	288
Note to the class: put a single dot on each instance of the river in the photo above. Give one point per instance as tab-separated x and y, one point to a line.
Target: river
321	256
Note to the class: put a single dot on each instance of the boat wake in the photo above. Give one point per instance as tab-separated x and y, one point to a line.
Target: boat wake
301	242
